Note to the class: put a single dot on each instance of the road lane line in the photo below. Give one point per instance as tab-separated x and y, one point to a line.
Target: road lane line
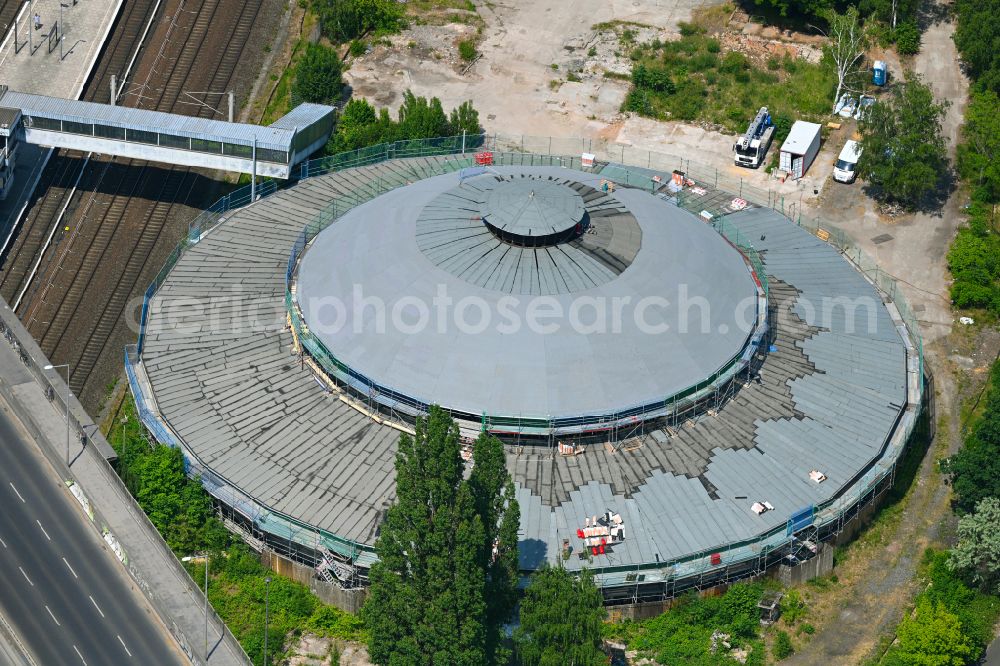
53	616
4	543
26	577
96	606
80	656
43	529
15	490
70	568
123	645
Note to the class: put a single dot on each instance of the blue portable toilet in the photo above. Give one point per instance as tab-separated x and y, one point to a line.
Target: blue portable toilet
879	73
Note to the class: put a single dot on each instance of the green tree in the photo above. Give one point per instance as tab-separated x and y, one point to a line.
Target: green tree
344	20
498	509
977	37
846	48
360	125
975	469
420	118
932	636
438	556
561	618
903	151
464	118
890	12
317	76
176	505
796	8
979	152
977	554
974	262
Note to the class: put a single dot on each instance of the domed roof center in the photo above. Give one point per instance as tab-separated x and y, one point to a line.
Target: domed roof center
533	212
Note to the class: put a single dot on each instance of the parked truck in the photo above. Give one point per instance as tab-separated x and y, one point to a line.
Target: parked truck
799	149
751	148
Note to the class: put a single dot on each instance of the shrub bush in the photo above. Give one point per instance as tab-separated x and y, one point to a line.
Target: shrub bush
689	29
343	20
792	607
908	38
652	78
467	50
682	635
317	76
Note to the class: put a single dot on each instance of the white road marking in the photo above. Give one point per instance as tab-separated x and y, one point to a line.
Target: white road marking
53	616
15	490
26	577
80	656
4	543
70	568
96	606
43	529
123	645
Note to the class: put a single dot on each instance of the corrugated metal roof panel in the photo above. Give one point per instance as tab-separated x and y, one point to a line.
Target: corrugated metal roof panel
301	116
276	137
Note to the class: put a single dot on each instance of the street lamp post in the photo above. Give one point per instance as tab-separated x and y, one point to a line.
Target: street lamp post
61	56
65	401
267	598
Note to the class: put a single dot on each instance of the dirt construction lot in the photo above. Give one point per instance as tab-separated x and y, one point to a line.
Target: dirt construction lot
520	41
541	72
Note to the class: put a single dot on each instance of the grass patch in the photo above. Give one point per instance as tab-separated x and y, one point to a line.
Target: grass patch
281	101
615	24
419	6
725	89
617	75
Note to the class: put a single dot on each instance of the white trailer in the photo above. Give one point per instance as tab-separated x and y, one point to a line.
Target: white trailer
799	149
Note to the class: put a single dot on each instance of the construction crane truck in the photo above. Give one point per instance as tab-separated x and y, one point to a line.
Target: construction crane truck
751	148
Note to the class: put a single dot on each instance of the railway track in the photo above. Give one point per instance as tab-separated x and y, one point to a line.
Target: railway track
56	183
127	214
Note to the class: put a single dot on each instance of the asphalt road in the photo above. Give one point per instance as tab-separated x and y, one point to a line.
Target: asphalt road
62	590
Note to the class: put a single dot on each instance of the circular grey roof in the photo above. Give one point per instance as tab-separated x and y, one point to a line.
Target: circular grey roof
532	207
672	318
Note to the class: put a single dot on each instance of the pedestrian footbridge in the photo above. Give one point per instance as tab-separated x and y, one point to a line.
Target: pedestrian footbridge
273	150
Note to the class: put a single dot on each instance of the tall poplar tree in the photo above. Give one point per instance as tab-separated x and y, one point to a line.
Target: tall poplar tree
447	570
498	509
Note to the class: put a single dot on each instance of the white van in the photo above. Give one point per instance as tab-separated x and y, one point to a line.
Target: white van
845	169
